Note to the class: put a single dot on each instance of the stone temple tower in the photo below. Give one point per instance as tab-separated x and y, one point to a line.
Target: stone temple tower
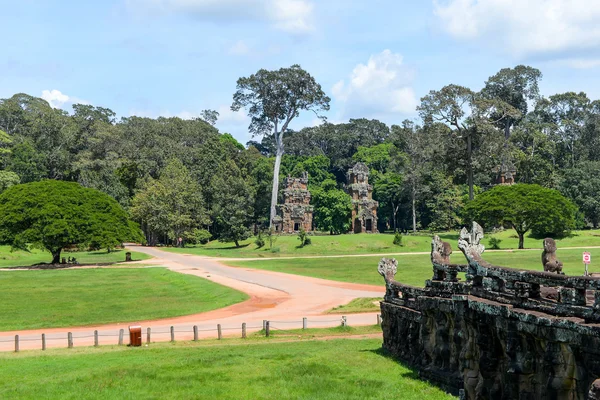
296	211
364	211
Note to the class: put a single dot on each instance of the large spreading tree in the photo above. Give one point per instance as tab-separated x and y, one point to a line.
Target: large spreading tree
273	99
524	207
53	215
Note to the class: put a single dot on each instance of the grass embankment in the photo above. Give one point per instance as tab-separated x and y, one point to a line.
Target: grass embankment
335	369
371	244
360	305
23	258
413	269
77	297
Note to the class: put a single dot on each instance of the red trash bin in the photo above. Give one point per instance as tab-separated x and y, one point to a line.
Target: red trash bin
135	336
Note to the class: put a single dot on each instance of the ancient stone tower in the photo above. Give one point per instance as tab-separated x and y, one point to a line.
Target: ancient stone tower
296	211
364	211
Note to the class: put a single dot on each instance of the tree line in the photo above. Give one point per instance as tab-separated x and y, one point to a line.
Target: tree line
185	179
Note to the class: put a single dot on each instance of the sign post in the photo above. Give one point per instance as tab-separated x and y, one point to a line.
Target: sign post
587	260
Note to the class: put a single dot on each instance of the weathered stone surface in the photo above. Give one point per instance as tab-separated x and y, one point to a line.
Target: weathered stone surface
549	260
296	211
495	336
364	210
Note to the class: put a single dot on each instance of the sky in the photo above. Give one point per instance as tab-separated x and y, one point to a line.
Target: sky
375	59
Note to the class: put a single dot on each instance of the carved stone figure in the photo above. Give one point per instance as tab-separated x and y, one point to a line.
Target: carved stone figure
388	268
440	251
469	242
549	260
364	208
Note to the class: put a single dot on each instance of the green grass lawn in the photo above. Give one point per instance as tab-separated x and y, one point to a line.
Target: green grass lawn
370	243
23	258
360	305
413	269
60	298
335	369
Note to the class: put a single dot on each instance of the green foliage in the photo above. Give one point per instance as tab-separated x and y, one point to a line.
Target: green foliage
582	185
316	166
524	207
197	236
494	243
8	179
376	157
53	214
303	237
333	208
259	241
271	237
398	239
232	208
170	205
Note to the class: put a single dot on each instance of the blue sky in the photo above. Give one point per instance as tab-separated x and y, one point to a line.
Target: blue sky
374	58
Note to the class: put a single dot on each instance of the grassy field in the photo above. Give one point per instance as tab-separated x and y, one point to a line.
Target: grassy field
360	305
23	258
370	244
60	298
334	369
413	269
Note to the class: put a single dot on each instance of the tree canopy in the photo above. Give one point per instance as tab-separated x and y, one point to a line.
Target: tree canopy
524	207
53	215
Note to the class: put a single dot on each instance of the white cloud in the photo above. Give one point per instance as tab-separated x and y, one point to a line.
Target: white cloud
57	99
381	87
524	27
239	48
293	16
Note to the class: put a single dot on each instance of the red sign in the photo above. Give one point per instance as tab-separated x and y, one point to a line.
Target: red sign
587	258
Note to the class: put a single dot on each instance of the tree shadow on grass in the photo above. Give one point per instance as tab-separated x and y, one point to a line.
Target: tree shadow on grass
225	247
448	236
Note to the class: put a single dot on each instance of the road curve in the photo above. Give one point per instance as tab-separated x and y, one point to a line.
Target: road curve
281	298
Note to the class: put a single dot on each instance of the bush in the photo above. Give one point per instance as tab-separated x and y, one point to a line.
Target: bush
259	242
303	237
398	239
271	237
275	249
494	243
197	236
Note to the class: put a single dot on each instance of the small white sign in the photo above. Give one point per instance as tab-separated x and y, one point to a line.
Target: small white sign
587	258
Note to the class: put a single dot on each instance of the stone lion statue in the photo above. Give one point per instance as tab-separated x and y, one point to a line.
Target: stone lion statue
549	260
440	251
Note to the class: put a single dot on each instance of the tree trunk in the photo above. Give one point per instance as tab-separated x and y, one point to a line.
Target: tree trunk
470	166
414	211
56	256
395	211
521	239
237	244
275	192
507	129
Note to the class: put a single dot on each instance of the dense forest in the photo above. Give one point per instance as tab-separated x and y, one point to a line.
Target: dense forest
184	178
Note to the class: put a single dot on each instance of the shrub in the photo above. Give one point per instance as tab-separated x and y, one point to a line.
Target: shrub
275	249
494	243
398	239
197	236
259	242
303	237
271	237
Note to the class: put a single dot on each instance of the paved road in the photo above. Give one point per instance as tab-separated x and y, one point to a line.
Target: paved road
283	299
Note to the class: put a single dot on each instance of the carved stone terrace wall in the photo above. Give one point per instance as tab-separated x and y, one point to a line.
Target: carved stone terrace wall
501	333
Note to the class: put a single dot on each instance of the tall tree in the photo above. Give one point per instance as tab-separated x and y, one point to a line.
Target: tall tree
273	99
469	114
171	205
515	86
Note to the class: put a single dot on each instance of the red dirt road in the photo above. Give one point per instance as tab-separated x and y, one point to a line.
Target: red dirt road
283	299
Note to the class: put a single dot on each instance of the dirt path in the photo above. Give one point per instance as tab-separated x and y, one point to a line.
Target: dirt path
281	298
